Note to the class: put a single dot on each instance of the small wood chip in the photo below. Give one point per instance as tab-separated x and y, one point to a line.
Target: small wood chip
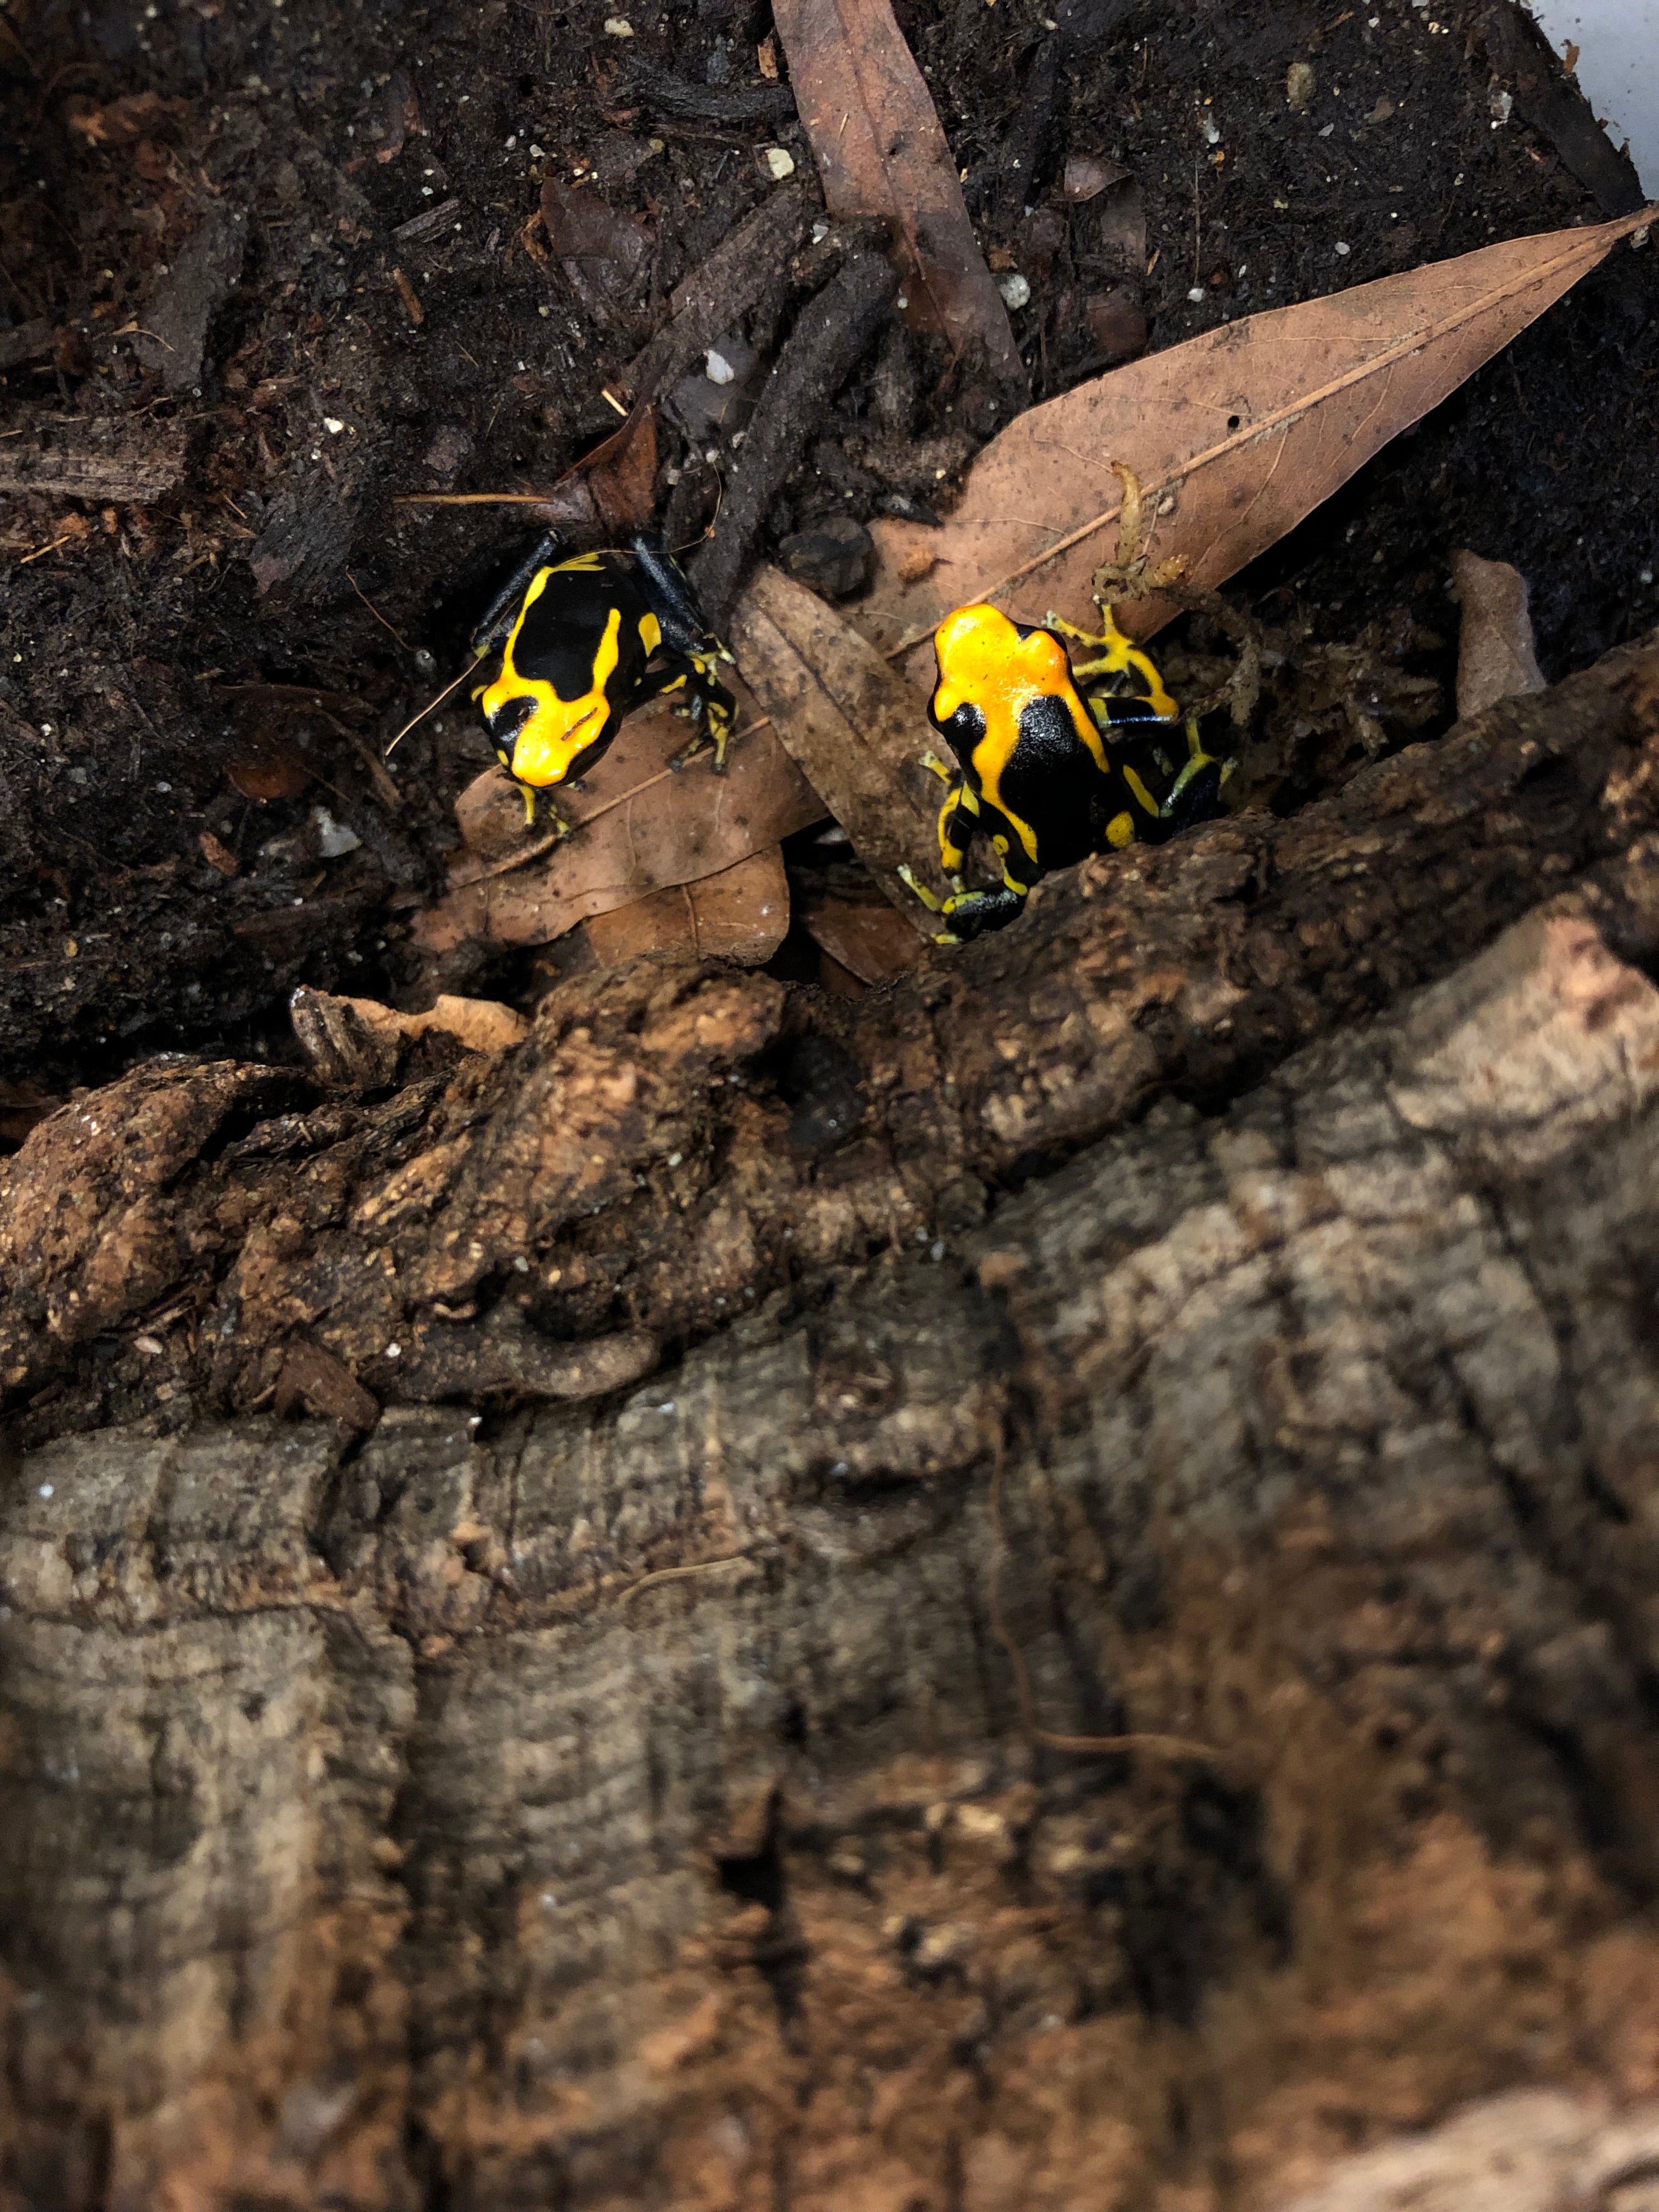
410	298
116	461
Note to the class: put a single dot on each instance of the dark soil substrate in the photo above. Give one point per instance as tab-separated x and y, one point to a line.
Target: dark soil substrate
282	191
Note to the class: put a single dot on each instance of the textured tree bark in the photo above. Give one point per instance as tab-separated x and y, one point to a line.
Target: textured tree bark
654	1800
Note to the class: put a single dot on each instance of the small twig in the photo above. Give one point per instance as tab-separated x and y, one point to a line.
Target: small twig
1168	1746
41	551
471	499
452	686
680	1574
375	612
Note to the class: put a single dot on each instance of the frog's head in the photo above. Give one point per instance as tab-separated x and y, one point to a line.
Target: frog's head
993	665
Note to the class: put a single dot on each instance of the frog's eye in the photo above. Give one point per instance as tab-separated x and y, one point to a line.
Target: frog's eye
508	717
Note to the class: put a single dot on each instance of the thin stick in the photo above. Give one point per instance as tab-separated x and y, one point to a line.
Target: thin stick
1169	1746
471	499
678	1574
375	612
427	709
41	551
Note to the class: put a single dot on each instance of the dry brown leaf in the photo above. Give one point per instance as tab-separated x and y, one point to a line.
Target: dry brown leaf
602	250
218	854
315	1382
871	939
880	152
610	491
1087	175
741	915
851	723
263	768
642	826
1236	435
1496	659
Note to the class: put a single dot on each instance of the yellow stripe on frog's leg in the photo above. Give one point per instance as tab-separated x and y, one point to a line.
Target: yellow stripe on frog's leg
1142	797
1120	830
952	843
1120	656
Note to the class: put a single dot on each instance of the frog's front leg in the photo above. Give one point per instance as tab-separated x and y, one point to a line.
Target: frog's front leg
500	615
552	820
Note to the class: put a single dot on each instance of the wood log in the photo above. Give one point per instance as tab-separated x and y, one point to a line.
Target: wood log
1122	1675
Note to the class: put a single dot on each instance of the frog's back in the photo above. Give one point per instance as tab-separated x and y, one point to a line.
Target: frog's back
567	611
1052	782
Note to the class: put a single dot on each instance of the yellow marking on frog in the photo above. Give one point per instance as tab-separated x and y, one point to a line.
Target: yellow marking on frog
1119	657
1139	793
984	662
558	729
1121	830
585	564
650	634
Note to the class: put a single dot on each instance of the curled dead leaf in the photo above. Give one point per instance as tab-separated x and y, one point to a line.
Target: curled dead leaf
1087	175
607	494
602	249
869	939
853	726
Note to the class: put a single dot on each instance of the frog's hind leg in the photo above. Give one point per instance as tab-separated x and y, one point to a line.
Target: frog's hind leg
1196	794
1117	655
708	703
958	826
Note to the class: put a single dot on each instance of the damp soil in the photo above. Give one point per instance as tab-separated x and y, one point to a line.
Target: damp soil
266	273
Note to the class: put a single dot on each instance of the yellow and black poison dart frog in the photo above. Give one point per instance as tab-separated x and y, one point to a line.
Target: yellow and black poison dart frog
1051	768
581	642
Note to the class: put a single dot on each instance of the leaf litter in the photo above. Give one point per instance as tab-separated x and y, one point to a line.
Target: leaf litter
1237	436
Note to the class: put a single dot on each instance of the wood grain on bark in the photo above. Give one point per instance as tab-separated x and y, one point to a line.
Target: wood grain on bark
631	1803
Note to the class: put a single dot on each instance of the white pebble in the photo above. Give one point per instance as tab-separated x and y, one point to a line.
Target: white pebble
333	838
45	1490
1195	293
1015	289
720	370
778	162
618	27
333	425
1342	247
